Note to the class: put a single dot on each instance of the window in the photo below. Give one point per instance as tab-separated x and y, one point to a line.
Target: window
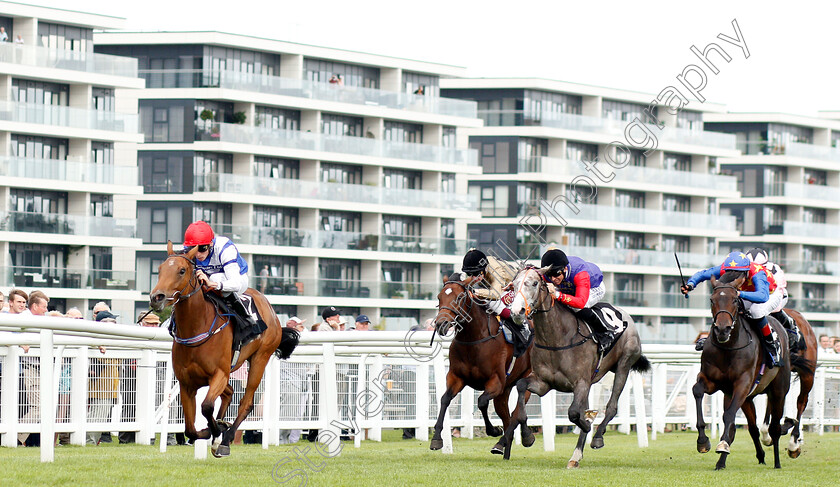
674	243
690	120
40	147
282	272
166	172
494	155
101	262
813	215
40	93
629	199
774	218
447	182
492	200
623	111
447	228
102	205
321	71
401	225
428	84
272	167
207	166
774	181
341	221
782	135
637	158
218	58
65	37
538	103
341	173
277	118
576	151
403	132
218	215
677	162
680	204
158	222
275	217
814	176
579	237
530	151
147	270
38	201
629	290
103	99
629	240
449	137
528	198
341	125
165	120
338	275
37	258
400	179
102	153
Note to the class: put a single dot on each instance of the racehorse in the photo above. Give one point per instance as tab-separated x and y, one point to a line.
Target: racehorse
805	367
566	359
733	362
202	348
479	357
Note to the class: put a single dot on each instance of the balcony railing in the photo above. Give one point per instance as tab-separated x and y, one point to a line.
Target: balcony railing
616	128
813	305
294	139
803	229
63	116
803	191
810	267
351	193
294	237
72	171
336	288
605	256
61	277
85	61
566	167
56	223
300	88
640	216
657	300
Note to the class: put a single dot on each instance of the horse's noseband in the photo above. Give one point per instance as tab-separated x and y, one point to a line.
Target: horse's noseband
738	302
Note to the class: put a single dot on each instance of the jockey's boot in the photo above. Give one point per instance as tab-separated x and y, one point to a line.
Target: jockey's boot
790	326
236	305
602	333
771	341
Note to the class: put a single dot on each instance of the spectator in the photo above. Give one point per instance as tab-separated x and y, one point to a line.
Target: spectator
30	369
38	302
334	79
825	343
128	383
362	323
3	306
264	279
332	319
17	301
103	386
64	383
3	36
836	346
74	313
100	306
296	323
420	91
19	40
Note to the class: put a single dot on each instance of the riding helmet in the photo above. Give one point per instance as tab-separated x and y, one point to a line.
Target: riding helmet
555	258
198	233
758	256
474	262
736	261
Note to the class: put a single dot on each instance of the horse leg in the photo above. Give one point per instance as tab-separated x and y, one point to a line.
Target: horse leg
188	405
612	405
492	389
227	397
765	425
806	382
699	390
256	368
454	385
500	403
776	403
524	386
731	405
216	387
749	412
578	416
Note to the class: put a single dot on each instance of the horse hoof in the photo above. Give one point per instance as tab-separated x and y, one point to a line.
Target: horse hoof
436	444
795	453
597	442
723	447
720	467
222	451
528	437
573	464
497	450
214	445
496	431
590	414
704	447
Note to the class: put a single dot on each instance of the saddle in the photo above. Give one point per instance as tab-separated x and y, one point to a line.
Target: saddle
244	331
513	334
610	317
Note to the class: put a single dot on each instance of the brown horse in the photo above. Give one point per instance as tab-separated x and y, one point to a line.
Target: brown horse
202	350
804	364
733	362
479	358
566	360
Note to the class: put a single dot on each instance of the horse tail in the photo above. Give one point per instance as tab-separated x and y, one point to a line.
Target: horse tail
289	342
641	365
802	364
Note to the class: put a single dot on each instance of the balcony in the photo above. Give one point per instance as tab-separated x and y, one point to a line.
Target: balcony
84	61
336	288
603	213
606	126
814	305
62	116
658	300
60	277
610	256
803	191
810	151
300	88
294	139
71	171
294	237
315	190
636	174
810	267
56	223
803	229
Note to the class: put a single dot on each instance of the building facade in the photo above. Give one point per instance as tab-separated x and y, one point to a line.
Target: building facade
68	152
340	176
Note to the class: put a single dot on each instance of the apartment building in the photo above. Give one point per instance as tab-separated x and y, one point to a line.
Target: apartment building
789	182
637	207
68	160
341	176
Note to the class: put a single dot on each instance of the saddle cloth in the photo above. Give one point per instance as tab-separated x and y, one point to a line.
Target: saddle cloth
611	317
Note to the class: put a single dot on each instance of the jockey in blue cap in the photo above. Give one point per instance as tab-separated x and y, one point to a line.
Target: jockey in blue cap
758	293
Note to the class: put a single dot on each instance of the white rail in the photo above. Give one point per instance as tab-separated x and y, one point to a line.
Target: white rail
359	382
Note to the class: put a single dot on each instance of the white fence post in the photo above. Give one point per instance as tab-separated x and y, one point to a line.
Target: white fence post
9	395
329	400
658	398
468	412
641	419
377	389
145	407
423	405
79	396
168	397
623	418
548	405
47	397
819	399
353	401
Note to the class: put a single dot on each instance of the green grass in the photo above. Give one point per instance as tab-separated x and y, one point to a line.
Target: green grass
670	460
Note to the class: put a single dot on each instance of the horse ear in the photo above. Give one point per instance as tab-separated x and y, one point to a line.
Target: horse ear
445	280
543	270
714	281
192	252
169	247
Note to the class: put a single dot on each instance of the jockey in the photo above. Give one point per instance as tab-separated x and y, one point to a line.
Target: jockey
759	256
758	293
579	285
489	278
219	266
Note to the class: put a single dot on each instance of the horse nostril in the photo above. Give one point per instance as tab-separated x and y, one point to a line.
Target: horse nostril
157	297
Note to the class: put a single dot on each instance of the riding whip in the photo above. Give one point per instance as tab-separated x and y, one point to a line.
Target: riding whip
681	274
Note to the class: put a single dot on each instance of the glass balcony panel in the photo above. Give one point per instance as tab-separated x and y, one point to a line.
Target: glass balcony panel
74	171
639	216
69	278
85	61
63	116
55	223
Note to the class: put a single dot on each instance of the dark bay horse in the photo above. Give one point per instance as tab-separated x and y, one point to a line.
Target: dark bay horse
733	362
565	359
479	358
202	351
804	363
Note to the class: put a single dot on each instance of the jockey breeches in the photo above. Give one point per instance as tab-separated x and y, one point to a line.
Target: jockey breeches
241	281
760	310
596	294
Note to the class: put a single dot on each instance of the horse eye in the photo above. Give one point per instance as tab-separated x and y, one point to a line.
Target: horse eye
183	271
534	283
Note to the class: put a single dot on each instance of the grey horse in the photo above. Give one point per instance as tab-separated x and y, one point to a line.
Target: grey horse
566	359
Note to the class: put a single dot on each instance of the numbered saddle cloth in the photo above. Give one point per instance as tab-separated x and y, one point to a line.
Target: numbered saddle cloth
611	317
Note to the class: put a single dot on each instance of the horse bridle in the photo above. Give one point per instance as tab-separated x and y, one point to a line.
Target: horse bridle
177	295
731	316
529	312
459	313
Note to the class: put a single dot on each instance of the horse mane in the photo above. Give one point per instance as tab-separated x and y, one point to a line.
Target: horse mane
731	276
455	277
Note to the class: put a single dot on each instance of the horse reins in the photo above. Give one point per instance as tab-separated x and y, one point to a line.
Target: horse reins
732	317
458	313
202	337
546	310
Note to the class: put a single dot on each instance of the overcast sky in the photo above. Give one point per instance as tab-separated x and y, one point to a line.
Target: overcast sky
639	46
